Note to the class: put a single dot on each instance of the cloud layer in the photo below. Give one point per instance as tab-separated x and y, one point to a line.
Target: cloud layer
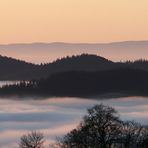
57	116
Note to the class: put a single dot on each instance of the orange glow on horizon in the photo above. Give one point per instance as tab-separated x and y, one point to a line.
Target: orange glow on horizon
73	20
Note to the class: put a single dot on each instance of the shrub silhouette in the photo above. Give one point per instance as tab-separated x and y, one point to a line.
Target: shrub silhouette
99	129
32	140
102	128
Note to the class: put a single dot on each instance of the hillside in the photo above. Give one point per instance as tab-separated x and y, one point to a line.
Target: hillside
82	62
83	84
77	83
12	69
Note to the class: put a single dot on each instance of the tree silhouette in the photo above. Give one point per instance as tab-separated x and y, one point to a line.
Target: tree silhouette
143	140
100	129
131	134
32	140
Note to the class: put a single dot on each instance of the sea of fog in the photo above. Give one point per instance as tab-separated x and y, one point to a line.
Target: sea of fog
57	116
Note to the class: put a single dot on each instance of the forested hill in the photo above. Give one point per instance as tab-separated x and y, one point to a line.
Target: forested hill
82	62
12	69
83	84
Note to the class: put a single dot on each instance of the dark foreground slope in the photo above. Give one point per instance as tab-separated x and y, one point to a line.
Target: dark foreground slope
83	84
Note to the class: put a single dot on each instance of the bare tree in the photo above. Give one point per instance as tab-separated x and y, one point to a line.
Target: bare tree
32	140
132	133
103	125
143	140
99	129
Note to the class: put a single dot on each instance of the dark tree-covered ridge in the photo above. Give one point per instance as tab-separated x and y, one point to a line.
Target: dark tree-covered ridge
12	69
84	84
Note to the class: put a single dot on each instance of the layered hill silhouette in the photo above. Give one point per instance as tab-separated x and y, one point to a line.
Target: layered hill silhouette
123	81
12	69
43	52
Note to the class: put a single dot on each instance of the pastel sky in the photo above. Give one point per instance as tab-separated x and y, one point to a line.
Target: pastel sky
73	20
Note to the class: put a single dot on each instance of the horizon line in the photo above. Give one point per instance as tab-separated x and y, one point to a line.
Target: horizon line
61	42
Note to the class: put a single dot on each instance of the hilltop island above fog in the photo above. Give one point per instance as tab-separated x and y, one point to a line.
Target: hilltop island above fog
78	76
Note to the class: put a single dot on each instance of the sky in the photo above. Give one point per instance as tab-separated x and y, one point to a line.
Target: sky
73	20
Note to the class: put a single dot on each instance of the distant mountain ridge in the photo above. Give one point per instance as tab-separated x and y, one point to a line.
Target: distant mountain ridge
48	52
12	69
